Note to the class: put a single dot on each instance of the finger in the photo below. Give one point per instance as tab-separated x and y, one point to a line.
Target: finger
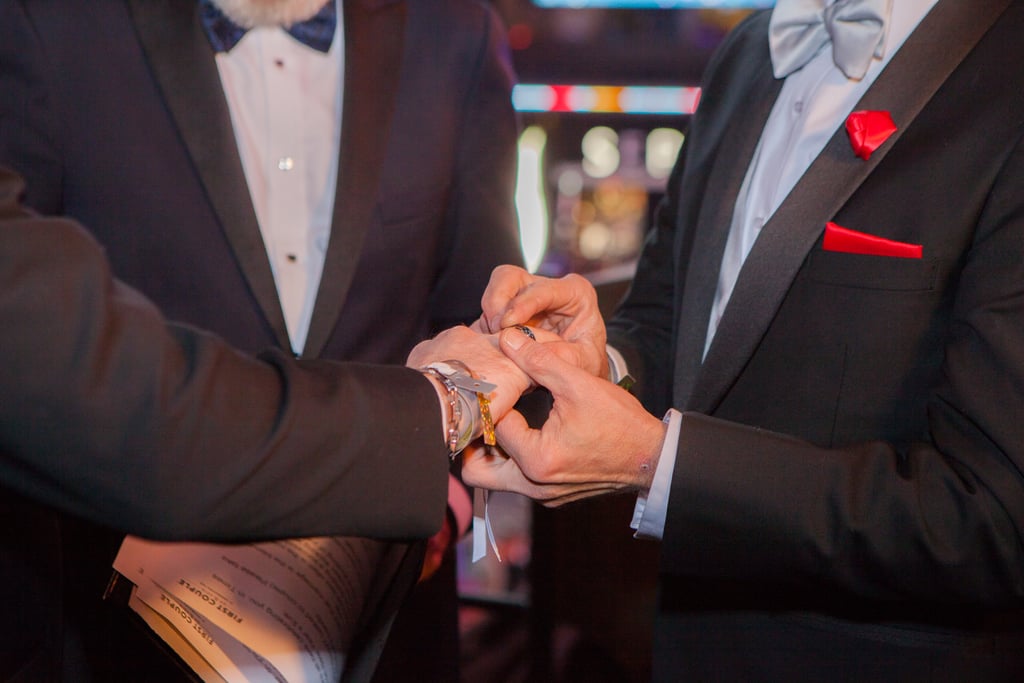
555	494
580	354
541	363
515	436
563	304
569	352
480	326
503	400
544	303
505	283
536	333
491	469
575	496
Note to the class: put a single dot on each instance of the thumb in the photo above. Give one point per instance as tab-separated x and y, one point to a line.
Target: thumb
515	436
539	361
480	326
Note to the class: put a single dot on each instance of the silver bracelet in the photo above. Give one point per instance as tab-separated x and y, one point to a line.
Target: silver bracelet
462	420
454	409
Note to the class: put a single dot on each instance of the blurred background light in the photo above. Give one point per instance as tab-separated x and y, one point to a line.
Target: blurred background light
600	147
655	4
530	196
662	148
605	99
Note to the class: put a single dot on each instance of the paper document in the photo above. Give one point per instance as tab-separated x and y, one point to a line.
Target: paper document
277	611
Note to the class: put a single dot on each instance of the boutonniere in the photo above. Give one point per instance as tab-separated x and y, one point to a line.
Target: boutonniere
868	130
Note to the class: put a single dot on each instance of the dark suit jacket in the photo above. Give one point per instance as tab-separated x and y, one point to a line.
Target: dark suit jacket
848	498
113	111
113	416
114	114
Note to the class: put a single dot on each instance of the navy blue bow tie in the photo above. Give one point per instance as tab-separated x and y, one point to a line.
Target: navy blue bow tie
317	32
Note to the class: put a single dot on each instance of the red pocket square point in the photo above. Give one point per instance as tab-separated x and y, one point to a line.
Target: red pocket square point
838	238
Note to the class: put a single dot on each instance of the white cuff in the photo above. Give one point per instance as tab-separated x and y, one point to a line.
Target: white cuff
652	508
616	364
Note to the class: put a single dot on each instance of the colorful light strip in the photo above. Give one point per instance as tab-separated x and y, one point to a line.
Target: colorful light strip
605	99
655	4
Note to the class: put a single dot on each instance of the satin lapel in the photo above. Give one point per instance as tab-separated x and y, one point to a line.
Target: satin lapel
752	97
184	68
374	43
913	76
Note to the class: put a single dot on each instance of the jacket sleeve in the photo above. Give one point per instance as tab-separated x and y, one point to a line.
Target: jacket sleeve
109	412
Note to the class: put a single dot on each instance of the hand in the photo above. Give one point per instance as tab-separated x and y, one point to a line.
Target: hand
481	354
597	438
566	306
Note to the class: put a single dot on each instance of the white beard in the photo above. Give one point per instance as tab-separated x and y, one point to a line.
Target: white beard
252	13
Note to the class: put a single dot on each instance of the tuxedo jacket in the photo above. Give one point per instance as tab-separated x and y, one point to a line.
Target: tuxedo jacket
848	498
112	415
114	113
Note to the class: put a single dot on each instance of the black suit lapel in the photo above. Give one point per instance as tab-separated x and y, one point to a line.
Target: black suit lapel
374	43
183	65
752	92
909	81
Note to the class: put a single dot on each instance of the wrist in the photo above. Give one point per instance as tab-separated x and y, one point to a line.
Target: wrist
651	444
458	423
464	404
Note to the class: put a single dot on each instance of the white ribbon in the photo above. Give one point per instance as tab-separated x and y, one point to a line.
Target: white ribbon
482	531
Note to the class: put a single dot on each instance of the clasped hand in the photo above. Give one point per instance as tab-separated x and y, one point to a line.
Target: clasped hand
597	438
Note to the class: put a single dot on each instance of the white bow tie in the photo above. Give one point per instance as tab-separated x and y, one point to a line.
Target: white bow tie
799	29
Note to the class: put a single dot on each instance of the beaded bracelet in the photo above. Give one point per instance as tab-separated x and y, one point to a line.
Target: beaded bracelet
469	413
483	402
454	409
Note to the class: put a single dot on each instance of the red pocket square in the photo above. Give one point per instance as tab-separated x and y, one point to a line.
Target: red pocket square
838	238
868	130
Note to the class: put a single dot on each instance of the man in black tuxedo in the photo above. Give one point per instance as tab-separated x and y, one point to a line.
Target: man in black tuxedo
342	200
109	414
832	299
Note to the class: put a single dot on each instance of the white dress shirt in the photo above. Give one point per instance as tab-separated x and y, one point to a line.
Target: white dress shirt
286	105
813	103
285	102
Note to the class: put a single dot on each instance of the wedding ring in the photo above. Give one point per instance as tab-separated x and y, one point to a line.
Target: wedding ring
527	331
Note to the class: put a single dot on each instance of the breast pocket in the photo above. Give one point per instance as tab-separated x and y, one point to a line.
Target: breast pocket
872	272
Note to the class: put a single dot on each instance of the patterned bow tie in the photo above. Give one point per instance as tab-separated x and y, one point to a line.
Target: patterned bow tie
799	29
317	32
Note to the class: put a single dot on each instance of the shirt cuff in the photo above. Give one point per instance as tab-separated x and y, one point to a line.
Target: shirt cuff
652	507
617	368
